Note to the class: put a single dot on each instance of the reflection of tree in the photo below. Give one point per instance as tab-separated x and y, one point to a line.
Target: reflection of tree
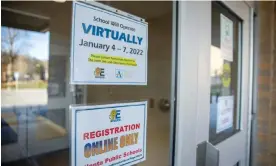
11	46
14	57
36	67
216	82
40	70
8	44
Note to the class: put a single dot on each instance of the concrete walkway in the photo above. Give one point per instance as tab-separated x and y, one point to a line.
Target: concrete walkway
23	97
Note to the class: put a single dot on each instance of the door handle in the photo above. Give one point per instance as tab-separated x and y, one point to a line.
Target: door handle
164	105
207	154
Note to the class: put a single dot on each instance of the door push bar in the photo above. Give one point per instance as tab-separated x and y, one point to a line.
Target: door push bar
207	155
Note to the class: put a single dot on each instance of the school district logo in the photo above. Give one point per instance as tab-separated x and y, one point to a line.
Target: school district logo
119	73
115	115
99	73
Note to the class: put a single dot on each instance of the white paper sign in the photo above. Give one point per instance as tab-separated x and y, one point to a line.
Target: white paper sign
226	38
107	48
113	134
225	113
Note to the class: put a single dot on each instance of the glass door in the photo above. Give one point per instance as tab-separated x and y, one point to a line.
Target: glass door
158	89
215	99
47	133
229	89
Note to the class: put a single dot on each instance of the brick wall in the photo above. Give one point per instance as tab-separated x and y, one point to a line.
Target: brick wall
265	154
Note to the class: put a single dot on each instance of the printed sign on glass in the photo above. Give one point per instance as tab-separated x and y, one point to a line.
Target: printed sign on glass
226	38
224	113
107	48
113	134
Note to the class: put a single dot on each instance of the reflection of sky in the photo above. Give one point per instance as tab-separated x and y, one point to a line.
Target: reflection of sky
34	44
216	61
216	65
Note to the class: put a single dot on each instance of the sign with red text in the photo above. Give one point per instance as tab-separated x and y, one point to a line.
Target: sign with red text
112	134
225	113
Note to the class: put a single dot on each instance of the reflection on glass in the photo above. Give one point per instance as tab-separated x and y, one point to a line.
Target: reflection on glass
26	119
9	128
24	75
224	110
50	125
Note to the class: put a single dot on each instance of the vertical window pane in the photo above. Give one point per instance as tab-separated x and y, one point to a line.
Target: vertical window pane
225	74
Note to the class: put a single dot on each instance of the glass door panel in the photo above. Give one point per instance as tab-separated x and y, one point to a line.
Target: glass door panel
225	74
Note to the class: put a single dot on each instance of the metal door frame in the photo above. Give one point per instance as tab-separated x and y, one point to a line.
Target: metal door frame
174	74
